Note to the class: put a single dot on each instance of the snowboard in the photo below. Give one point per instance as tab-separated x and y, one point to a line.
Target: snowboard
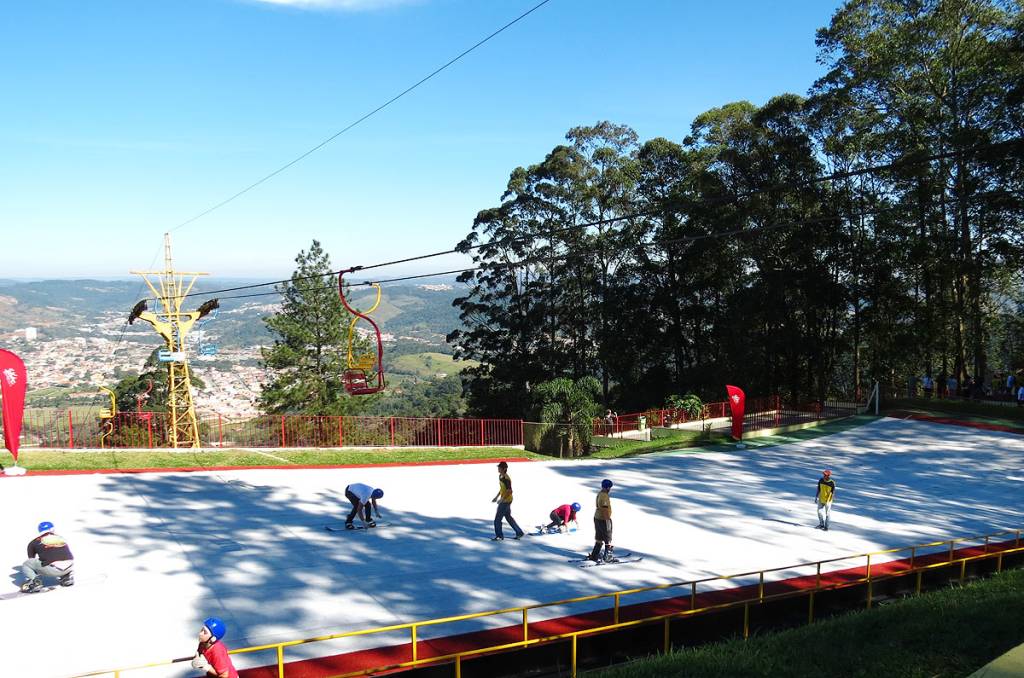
542	531
340	527
617	559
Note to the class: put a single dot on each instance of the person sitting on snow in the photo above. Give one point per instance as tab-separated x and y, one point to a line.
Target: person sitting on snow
48	556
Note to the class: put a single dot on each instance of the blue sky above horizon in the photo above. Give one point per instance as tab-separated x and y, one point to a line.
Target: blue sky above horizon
121	120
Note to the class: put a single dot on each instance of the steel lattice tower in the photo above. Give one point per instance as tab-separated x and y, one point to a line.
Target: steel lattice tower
173	325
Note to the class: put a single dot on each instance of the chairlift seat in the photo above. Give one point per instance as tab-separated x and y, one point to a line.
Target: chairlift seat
356	383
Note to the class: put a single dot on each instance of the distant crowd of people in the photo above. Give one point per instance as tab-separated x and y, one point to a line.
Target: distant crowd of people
1009	386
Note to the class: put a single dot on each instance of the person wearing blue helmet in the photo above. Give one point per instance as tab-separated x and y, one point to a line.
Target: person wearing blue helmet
363	498
212	654
48	556
603	524
562	516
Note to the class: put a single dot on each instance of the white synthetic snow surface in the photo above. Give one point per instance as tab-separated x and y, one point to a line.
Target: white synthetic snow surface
158	552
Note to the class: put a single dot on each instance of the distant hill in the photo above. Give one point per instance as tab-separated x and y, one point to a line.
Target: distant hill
61	308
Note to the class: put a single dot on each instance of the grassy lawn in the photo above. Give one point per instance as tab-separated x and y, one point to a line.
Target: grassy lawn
1003	415
691	441
427	364
118	459
948	633
672	441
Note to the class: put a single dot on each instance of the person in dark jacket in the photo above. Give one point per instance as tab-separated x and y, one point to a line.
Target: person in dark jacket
48	556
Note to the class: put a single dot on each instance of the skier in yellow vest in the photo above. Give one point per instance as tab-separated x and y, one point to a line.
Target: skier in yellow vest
824	495
603	524
504	501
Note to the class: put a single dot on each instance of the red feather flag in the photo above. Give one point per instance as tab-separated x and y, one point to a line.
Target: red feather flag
737	401
12	398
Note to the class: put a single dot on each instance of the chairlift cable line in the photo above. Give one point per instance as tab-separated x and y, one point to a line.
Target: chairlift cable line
380	108
741	231
912	160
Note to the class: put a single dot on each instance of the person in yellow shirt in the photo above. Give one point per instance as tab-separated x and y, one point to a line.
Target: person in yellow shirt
504	501
823	496
603	523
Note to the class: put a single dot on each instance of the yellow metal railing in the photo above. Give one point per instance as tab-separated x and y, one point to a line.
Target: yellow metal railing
457	657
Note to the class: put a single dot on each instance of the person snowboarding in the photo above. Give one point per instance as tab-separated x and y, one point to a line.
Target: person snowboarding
504	501
603	524
824	495
363	498
562	516
211	654
48	556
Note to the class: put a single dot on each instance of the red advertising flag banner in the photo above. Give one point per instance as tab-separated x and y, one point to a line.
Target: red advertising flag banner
737	401
12	398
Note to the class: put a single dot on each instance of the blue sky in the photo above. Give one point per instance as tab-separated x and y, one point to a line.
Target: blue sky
121	120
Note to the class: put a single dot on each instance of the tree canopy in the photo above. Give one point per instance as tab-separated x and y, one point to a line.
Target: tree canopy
871	230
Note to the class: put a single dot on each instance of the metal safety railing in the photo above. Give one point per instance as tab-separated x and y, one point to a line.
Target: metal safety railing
946	556
83	428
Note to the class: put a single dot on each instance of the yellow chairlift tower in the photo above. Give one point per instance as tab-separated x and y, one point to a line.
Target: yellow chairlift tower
173	324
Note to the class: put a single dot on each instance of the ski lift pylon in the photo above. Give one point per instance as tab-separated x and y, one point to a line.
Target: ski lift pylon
365	371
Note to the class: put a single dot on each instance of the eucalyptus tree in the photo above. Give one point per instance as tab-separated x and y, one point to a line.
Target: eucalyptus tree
932	76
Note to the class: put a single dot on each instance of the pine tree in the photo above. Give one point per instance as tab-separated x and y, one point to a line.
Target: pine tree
308	356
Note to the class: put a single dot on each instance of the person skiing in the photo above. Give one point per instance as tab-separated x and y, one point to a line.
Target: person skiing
824	495
211	654
603	524
562	516
504	501
48	556
363	498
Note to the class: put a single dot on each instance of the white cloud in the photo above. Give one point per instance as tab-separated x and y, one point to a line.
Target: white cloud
343	5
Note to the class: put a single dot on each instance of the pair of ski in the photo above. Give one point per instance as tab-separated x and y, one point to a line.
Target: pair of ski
617	559
341	527
544	531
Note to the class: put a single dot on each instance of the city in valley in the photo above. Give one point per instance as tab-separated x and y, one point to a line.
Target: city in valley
69	356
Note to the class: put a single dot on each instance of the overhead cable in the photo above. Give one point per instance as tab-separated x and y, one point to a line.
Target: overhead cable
380	108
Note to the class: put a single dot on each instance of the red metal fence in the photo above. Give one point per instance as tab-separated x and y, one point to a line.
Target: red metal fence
759	413
70	429
668	417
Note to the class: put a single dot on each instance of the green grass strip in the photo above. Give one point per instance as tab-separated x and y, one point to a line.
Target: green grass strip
964	410
948	633
165	459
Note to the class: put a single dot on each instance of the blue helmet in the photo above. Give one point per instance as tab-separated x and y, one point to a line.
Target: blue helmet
606	484
216	628
377	494
575	507
45	526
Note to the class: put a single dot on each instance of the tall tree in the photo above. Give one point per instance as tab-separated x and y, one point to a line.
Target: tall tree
309	353
931	77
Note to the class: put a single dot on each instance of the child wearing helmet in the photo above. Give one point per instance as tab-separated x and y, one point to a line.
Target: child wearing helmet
823	496
562	516
603	523
48	556
363	497
211	654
